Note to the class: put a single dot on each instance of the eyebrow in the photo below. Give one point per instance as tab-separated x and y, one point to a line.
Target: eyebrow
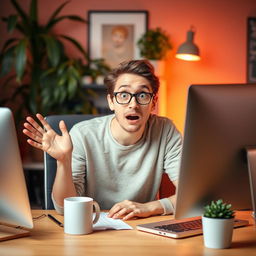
140	87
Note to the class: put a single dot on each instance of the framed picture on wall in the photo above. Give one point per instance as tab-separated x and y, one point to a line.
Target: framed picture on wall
251	50
113	35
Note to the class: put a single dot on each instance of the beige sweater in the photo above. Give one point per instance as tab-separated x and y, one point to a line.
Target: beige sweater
109	172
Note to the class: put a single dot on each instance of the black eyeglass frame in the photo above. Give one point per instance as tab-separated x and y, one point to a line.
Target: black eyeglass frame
134	95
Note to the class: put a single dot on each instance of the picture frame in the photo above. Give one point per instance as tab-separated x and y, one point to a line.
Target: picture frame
251	50
113	35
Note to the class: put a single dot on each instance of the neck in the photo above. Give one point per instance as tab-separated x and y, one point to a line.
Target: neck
124	137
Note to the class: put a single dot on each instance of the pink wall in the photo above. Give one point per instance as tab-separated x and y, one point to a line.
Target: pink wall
221	36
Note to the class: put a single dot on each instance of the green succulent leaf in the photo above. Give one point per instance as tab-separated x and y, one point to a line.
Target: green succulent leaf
218	209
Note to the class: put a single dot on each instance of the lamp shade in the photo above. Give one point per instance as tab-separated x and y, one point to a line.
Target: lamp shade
189	50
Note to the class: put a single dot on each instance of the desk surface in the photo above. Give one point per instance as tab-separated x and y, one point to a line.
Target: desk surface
49	239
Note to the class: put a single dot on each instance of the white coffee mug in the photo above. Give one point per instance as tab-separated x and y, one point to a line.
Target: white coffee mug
78	215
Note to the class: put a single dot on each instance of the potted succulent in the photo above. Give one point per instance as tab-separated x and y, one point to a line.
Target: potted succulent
218	222
154	45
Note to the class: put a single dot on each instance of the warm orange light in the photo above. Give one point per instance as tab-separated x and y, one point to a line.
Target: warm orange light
187	57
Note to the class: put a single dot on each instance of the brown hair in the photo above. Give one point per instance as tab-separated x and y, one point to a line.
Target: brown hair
138	67
121	29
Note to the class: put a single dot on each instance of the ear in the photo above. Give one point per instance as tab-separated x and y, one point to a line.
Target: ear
154	102
110	102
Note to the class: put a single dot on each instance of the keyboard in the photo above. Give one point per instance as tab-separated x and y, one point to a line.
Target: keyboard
182	226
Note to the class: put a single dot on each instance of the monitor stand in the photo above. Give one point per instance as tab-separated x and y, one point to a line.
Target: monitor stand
251	159
9	232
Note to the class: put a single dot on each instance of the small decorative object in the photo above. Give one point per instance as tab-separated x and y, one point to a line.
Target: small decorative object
87	80
94	71
218	221
99	80
154	45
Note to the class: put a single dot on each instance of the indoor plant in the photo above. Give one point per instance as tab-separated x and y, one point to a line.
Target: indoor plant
37	71
218	221
154	45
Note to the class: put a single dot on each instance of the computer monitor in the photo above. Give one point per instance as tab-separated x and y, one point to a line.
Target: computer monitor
14	202
220	125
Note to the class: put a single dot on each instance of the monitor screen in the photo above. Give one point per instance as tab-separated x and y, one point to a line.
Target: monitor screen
220	124
14	202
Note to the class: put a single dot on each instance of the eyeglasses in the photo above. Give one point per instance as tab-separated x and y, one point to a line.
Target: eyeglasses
142	98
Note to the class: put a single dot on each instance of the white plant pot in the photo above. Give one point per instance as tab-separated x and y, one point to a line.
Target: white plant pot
217	232
87	80
99	80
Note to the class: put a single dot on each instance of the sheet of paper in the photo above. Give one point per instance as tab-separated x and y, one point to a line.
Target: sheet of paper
108	223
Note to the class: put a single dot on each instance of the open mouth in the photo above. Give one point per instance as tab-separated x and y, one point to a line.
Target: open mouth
132	117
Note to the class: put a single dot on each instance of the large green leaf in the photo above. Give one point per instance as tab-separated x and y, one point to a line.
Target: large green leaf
53	49
8	43
33	11
21	58
7	61
56	12
77	45
19	26
70	17
11	23
20	11
72	86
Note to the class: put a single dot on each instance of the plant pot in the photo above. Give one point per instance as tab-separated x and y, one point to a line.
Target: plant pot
217	232
87	80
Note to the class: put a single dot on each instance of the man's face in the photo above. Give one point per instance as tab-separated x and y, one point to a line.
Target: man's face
131	117
118	38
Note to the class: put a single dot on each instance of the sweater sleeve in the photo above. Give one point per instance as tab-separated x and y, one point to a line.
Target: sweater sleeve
173	152
78	161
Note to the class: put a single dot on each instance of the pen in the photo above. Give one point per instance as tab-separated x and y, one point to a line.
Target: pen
55	220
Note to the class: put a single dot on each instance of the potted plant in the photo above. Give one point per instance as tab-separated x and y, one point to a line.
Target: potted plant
154	45
218	221
94	71
38	73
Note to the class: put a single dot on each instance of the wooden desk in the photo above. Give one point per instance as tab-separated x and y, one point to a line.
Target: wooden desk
49	239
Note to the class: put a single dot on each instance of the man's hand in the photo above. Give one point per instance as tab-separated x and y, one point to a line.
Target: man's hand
59	147
128	209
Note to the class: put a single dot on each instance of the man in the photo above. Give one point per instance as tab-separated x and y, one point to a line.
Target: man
117	159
